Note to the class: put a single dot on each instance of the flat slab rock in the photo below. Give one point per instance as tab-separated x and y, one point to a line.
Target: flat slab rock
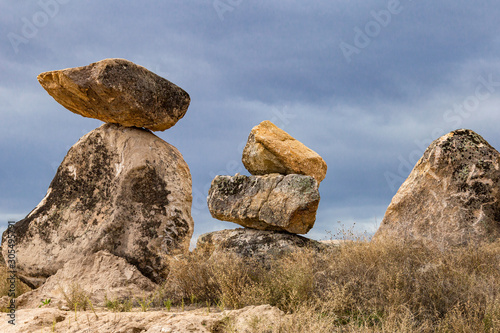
121	190
118	91
257	244
260	318
452	196
269	149
271	202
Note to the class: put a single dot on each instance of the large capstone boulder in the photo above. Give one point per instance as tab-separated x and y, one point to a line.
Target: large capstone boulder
121	190
271	202
118	91
452	196
269	149
260	245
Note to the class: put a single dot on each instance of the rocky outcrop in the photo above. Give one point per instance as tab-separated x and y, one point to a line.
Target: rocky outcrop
270	202
269	149
118	91
262	318
452	196
97	276
256	244
121	190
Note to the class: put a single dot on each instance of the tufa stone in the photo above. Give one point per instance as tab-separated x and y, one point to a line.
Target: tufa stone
270	202
452	196
269	149
263	246
98	276
121	190
118	91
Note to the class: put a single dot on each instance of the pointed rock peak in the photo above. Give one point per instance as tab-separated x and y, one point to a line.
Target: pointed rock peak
452	196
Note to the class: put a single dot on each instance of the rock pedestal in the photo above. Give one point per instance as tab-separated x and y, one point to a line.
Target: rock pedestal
452	196
120	189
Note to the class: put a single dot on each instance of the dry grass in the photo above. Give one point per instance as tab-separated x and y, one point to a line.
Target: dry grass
357	287
21	288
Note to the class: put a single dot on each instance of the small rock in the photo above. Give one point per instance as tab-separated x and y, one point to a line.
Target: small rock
118	91
271	202
269	149
451	197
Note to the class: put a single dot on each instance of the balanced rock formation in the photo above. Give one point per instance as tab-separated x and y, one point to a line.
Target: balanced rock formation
256	244
270	202
122	190
98	276
269	149
118	91
452	196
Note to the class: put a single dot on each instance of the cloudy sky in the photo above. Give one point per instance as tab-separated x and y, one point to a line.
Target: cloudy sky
366	84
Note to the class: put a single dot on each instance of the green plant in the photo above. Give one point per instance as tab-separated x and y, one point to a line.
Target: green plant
182	305
117	305
167	304
45	302
145	303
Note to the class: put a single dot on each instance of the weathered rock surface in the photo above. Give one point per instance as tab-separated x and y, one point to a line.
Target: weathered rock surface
121	190
452	196
250	319
269	149
118	91
98	275
271	202
257	244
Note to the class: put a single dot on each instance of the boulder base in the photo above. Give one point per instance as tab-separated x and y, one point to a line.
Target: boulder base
257	244
98	276
272	202
121	190
452	196
118	91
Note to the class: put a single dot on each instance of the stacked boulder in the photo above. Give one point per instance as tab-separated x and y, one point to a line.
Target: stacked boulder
279	200
120	191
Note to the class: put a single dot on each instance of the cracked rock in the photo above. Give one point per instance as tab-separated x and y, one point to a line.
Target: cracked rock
271	202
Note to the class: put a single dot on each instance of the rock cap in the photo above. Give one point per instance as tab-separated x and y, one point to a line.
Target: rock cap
269	149
118	91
